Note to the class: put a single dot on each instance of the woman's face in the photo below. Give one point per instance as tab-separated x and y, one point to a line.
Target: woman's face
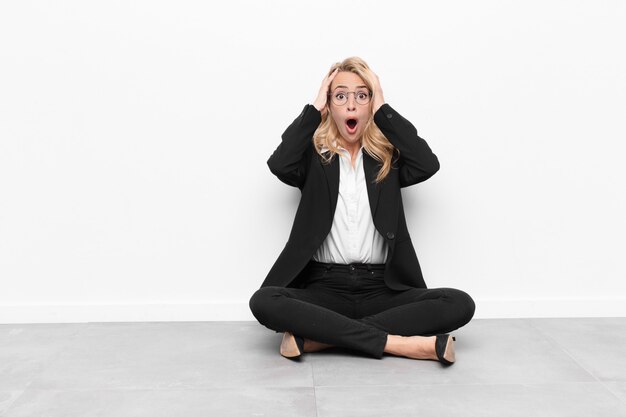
350	117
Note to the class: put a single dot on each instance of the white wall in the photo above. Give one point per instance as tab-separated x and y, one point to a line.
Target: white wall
134	136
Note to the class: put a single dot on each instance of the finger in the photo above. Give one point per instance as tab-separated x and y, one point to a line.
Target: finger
329	79
376	80
332	75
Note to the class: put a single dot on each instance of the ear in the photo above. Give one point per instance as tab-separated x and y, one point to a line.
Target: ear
325	110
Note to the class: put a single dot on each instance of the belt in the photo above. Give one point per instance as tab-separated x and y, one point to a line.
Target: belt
346	267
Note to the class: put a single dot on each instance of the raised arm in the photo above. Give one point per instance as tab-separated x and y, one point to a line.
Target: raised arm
290	160
417	162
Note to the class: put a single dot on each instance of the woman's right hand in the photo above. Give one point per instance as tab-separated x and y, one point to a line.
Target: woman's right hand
322	95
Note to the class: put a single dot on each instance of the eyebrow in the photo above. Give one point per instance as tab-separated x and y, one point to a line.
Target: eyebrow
345	86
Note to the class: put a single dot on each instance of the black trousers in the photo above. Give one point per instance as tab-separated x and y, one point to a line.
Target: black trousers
350	306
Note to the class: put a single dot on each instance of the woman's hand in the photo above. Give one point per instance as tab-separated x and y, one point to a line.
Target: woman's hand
377	95
322	95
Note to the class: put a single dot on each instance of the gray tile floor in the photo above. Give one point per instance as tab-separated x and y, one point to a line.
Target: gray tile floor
517	367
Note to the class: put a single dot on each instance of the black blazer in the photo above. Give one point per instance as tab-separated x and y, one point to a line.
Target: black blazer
296	163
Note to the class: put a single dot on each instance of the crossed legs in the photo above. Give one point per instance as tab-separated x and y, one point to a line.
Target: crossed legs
375	321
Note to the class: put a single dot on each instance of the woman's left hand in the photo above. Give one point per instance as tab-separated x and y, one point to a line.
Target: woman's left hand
377	95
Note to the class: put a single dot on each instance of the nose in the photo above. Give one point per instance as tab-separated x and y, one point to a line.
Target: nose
351	102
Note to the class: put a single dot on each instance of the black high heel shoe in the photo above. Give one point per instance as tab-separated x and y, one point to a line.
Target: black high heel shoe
292	346
444	346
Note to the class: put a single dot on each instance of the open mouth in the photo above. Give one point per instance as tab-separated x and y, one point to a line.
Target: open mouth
351	125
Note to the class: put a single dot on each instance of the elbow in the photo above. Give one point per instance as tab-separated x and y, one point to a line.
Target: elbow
271	164
415	176
289	177
275	168
428	170
427	173
431	169
434	166
276	165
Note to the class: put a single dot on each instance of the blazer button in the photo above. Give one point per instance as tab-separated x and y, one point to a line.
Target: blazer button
390	235
389	116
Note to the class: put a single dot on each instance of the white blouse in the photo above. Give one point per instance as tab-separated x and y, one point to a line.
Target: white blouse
353	237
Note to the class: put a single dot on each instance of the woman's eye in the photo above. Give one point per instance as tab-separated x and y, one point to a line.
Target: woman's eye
362	95
340	96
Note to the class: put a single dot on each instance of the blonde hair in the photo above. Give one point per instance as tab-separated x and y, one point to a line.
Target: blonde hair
327	135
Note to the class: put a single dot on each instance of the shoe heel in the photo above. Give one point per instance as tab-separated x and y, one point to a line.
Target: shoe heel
444	347
291	346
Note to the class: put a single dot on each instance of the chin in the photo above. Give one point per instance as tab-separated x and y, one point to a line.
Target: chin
351	140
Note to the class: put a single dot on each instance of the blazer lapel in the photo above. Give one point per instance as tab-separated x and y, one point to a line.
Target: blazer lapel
332	178
370	166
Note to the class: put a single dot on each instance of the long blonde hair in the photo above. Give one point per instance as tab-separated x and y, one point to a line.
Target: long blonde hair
327	135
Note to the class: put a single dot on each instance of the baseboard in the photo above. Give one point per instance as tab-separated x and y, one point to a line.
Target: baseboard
551	307
89	313
238	310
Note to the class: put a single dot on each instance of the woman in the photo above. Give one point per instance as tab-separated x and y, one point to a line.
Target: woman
348	275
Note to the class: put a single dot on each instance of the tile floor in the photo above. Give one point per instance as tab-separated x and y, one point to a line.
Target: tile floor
516	367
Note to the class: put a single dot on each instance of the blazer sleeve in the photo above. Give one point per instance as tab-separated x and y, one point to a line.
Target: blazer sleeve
417	162
290	161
